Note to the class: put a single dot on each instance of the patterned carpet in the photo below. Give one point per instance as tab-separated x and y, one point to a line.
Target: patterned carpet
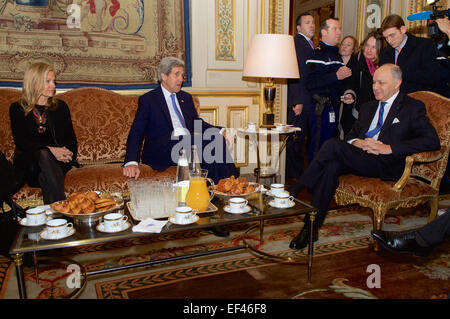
344	240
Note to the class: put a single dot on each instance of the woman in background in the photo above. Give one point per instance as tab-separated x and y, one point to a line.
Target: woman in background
41	125
348	49
358	90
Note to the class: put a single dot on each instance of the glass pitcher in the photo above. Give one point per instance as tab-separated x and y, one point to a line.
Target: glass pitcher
198	196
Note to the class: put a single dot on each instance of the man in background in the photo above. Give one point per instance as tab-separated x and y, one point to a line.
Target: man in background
415	56
299	98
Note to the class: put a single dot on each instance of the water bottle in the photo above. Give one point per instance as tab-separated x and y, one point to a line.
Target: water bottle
194	163
182	178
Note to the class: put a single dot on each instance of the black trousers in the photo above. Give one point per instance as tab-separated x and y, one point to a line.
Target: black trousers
294	151
45	171
434	232
334	159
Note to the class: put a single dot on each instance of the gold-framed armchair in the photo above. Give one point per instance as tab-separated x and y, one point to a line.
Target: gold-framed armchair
420	180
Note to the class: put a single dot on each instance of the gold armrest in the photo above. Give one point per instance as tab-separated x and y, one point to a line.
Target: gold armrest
406	174
428	157
423	157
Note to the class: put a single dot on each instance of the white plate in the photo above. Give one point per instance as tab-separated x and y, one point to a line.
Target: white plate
291	204
44	235
243	211
24	222
101	228
173	221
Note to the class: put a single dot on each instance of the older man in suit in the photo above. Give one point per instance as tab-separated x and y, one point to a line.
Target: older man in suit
299	97
417	57
165	119
386	131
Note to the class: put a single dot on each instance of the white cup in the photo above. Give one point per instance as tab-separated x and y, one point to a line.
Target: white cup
283	199
36	216
184	214
114	221
58	227
280	127
276	189
237	204
251	126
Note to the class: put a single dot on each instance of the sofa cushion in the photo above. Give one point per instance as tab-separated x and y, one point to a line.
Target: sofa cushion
104	178
108	177
101	121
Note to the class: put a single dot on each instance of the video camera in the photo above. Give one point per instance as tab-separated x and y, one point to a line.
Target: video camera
433	29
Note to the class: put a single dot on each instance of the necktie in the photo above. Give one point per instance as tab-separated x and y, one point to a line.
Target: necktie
377	128
177	112
312	43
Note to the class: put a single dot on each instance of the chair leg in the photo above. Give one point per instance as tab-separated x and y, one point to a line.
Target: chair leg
434	203
378	219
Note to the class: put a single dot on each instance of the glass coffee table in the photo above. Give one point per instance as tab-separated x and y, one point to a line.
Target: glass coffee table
27	239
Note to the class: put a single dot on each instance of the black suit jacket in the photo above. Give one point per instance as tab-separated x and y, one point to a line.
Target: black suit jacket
297	92
406	129
418	62
153	126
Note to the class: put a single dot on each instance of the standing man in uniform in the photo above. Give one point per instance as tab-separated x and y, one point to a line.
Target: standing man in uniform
326	69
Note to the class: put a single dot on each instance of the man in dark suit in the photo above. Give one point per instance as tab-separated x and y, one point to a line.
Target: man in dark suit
419	242
165	121
386	131
415	56
299	98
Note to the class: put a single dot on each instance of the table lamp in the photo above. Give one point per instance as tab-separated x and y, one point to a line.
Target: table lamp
271	56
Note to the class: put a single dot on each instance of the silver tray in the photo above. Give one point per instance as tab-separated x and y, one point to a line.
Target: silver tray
95	216
211	208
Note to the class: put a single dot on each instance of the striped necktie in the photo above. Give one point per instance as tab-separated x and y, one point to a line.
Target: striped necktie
312	43
177	112
377	128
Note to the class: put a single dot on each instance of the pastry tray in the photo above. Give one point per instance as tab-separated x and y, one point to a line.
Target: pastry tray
211	208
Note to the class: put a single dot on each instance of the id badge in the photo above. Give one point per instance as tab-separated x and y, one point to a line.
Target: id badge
332	117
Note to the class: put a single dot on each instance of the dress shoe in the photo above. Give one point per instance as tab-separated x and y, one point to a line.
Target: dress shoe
401	242
220	231
302	239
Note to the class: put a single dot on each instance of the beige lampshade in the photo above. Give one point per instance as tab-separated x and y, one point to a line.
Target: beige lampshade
271	56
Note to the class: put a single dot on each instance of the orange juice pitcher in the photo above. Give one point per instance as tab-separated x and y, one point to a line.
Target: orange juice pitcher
198	196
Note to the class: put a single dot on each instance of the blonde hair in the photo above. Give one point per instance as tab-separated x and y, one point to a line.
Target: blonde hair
33	85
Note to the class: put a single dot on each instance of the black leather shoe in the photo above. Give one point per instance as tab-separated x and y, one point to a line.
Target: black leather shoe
401	242
220	231
302	239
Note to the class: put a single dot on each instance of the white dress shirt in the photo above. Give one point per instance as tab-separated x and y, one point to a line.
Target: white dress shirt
374	122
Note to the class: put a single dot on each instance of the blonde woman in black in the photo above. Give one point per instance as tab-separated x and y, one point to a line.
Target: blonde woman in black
41	125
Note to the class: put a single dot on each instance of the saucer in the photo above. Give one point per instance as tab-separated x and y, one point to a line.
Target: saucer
44	235
24	222
101	228
291	204
243	211
173	220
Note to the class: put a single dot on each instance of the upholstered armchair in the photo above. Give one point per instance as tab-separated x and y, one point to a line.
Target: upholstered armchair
409	191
